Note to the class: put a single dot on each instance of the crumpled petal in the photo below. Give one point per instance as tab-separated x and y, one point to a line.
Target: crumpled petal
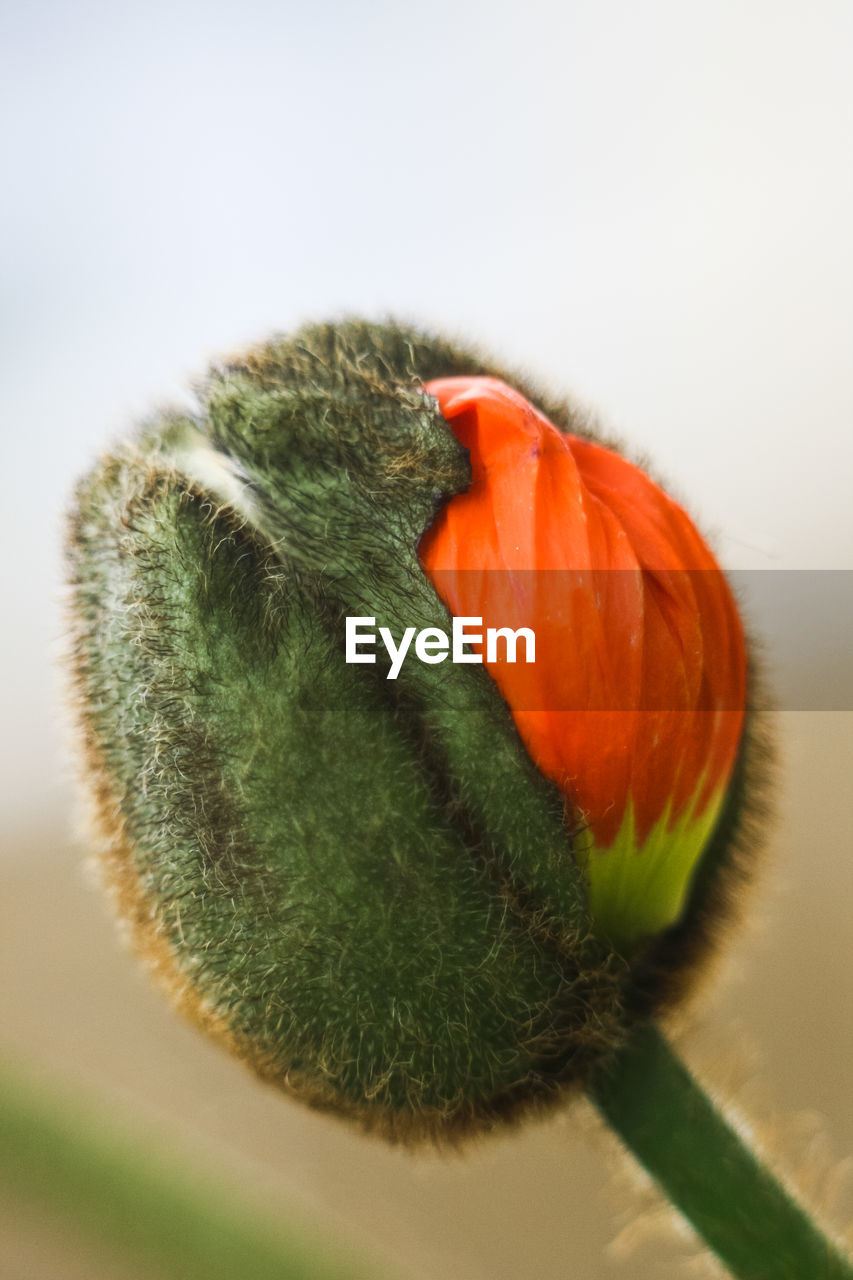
635	704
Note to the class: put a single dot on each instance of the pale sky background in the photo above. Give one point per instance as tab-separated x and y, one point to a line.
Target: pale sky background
646	204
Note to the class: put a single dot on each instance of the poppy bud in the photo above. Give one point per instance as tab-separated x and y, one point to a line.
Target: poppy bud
404	886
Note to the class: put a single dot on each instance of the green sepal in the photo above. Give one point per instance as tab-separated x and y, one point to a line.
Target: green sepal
300	861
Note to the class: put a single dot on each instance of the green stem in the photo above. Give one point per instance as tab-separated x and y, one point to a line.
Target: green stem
738	1208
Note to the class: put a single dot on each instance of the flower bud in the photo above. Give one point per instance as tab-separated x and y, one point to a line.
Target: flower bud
418	891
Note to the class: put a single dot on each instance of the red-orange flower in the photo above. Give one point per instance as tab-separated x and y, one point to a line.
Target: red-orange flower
634	706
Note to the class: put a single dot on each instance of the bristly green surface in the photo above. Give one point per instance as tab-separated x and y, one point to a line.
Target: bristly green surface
368	891
173	1221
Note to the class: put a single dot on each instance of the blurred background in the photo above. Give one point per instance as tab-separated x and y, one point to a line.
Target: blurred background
647	206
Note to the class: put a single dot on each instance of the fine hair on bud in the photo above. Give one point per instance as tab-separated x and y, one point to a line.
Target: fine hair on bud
365	888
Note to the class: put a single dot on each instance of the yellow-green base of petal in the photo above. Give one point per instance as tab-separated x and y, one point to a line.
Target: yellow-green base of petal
637	892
